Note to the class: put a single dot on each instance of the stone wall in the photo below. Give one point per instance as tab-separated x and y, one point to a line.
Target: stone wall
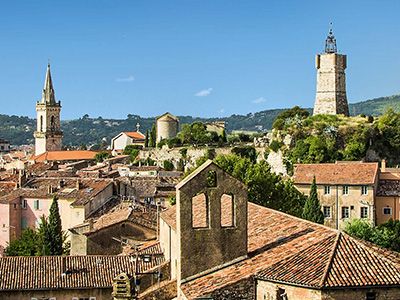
268	291
352	294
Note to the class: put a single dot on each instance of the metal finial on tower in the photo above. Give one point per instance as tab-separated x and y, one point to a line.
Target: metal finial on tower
330	42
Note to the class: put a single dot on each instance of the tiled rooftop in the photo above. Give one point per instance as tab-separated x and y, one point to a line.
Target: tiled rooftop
135	135
39	188
388	188
302	250
344	173
65	155
70	272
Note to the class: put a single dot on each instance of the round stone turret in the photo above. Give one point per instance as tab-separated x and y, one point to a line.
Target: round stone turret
167	126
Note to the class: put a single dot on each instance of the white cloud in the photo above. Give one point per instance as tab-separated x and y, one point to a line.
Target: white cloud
259	100
130	78
204	93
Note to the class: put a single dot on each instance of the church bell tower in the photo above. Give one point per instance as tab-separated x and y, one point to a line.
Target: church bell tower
331	96
48	134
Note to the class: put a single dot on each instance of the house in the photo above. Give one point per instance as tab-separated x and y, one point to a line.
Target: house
126	138
65	156
77	277
4	145
77	199
111	231
346	190
222	247
388	195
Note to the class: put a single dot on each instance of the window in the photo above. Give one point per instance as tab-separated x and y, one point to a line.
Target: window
364	190
36	204
345	212
24	223
200	211
24	204
364	212
327	189
227	211
387	210
327	211
41	124
282	295
370	296
345	190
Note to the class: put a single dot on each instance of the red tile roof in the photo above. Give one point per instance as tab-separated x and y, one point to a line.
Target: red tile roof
135	135
340	261
65	155
276	240
343	173
46	272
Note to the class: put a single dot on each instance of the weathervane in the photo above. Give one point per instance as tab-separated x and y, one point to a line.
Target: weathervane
330	42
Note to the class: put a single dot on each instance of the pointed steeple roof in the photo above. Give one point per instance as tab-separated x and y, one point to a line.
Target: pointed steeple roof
48	95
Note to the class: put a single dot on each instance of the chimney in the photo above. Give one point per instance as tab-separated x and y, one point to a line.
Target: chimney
49	189
78	185
383	165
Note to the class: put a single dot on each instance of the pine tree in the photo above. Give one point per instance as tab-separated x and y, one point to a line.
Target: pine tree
223	137
55	229
312	208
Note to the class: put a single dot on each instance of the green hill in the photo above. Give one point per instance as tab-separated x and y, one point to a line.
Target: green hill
86	130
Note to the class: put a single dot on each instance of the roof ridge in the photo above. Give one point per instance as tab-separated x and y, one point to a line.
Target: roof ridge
376	249
328	266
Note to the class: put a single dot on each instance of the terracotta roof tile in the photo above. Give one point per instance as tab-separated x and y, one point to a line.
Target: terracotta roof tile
354	173
65	155
46	272
285	248
135	135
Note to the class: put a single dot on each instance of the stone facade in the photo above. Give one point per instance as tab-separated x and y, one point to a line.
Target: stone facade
331	96
202	249
337	199
48	134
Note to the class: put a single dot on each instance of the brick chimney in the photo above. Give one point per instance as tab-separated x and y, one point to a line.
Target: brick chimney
383	165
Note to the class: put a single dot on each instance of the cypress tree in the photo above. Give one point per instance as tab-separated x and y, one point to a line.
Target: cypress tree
312	208
45	239
146	139
153	136
55	229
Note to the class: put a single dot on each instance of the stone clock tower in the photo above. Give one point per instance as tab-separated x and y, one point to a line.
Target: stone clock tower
48	134
331	96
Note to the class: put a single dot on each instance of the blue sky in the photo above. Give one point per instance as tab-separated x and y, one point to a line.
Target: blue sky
201	58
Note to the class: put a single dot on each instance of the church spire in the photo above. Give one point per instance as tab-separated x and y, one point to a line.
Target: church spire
330	42
48	96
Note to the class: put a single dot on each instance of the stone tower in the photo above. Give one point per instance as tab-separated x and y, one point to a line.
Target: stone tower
48	134
331	96
167	126
211	221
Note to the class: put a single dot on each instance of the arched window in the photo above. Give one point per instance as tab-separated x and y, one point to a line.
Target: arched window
200	211
41	124
227	211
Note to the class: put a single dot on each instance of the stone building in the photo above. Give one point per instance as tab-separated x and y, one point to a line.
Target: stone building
388	195
331	96
88	277
222	247
346	190
167	126
123	139
4	145
77	199
48	134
